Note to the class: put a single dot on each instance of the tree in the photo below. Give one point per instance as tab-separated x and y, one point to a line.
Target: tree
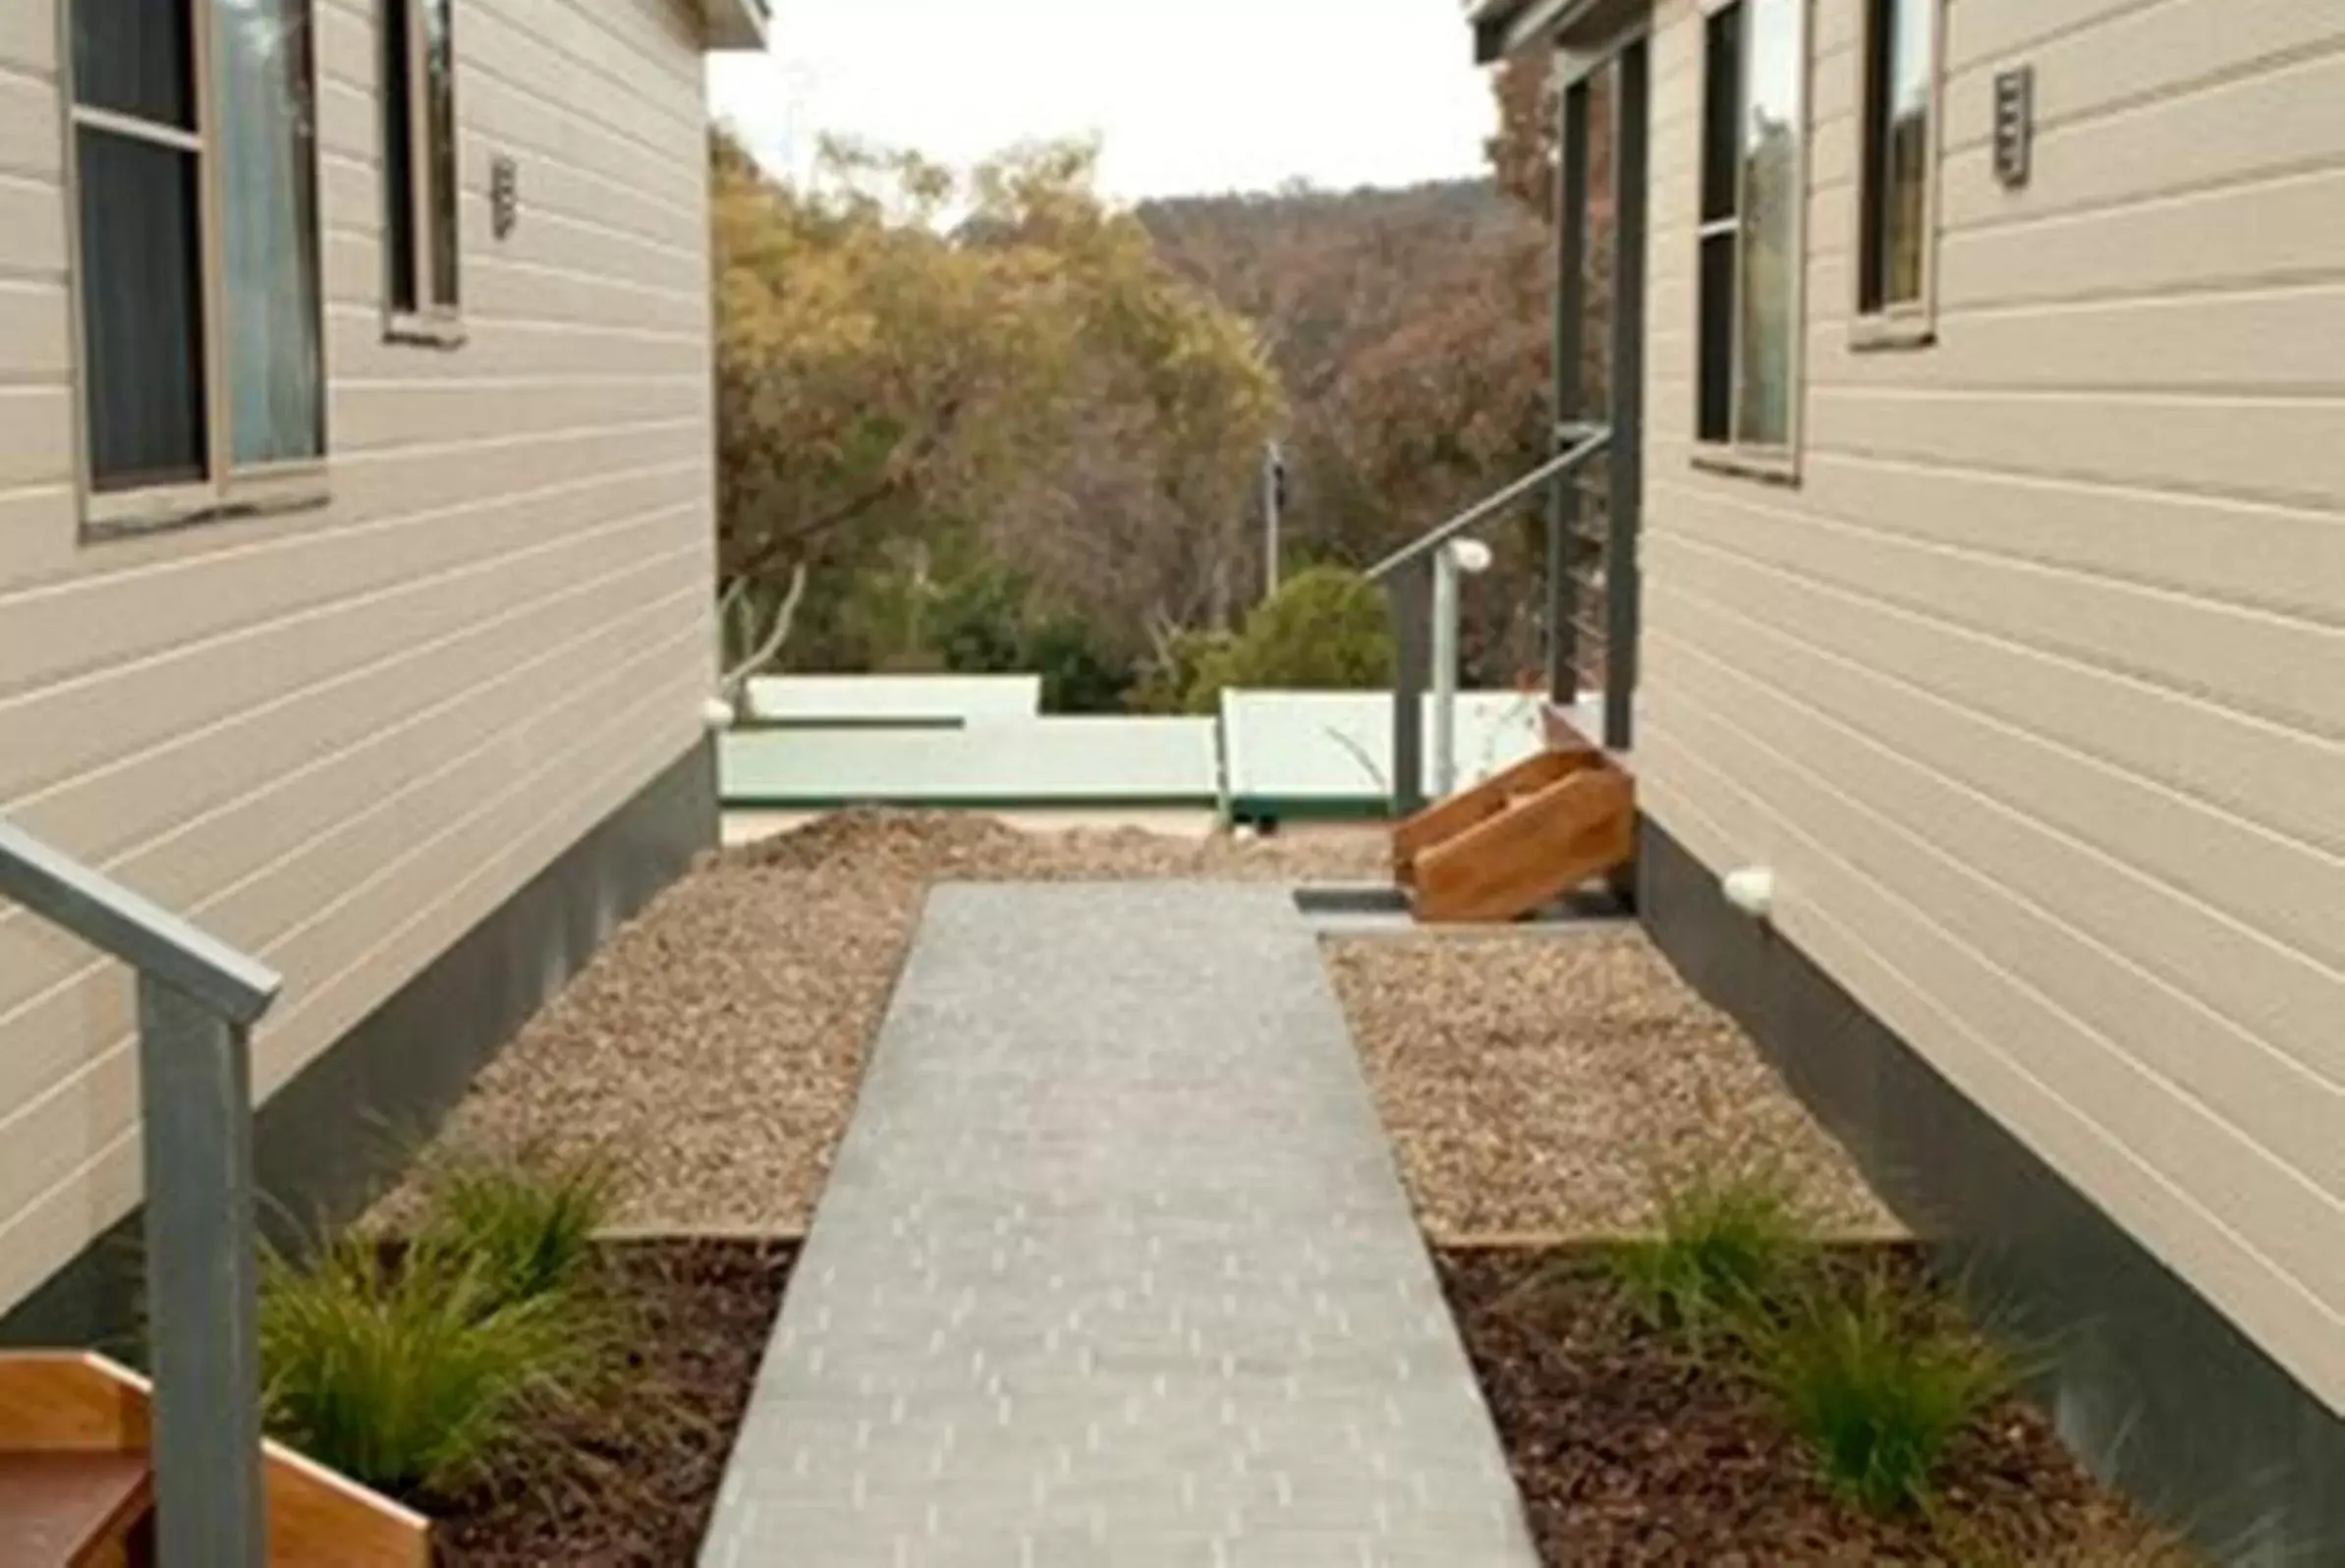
870	372
1523	154
1411	330
916	363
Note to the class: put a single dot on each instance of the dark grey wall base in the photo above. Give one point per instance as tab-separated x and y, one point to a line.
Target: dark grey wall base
327	1141
2148	1382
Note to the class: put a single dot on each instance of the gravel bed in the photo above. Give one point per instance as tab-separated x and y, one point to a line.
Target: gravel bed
1552	1085
715	1044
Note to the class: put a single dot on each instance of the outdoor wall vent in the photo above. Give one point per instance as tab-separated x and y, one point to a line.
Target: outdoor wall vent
504	196
2015	126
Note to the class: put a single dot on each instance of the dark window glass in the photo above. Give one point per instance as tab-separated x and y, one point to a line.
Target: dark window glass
399	150
1900	42
265	139
1722	115
142	296
439	67
1772	201
136	57
1714	417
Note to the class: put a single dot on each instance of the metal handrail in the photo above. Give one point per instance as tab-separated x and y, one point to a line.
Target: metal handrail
1421	579
197	1001
1592	440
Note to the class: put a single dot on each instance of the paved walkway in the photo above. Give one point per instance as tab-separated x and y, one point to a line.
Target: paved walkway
1115	1269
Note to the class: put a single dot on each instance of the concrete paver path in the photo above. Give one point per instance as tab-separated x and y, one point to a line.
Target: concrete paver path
1115	1269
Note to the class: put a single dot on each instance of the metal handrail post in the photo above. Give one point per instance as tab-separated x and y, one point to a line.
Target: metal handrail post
197	1002
1407	574
1445	641
202	1285
1412	594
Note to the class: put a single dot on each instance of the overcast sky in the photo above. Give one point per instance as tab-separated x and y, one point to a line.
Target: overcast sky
1190	95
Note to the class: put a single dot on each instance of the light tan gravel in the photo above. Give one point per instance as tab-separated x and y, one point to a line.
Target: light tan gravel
1533	1085
1552	1084
715	1044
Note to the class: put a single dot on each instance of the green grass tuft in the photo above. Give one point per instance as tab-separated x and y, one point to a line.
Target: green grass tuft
526	1221
1727	1247
411	1372
1878	1384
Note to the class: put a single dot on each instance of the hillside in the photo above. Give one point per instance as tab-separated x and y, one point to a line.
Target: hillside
1411	330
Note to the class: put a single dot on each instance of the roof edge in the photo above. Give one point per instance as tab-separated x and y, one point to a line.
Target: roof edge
1503	28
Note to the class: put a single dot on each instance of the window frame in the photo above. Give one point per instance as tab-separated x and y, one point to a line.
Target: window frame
429	322
1910	324
1778	463
228	491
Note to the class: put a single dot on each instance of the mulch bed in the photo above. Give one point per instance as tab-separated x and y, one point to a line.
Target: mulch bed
647	1469
1628	1452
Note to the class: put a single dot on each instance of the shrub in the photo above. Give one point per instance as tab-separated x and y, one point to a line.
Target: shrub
1727	1247
1877	1384
409	1371
1079	675
526	1221
1188	666
1326	629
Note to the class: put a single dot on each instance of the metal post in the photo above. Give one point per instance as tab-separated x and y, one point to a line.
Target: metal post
1446	672
1410	588
1624	590
195	1072
1274	506
1569	373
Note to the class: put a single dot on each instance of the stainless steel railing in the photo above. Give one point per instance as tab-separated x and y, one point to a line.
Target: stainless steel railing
197	1003
1421	581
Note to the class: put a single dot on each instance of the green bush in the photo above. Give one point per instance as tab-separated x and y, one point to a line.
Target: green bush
1877	1383
1077	675
526	1221
1727	1247
1326	629
424	1368
1167	683
407	1370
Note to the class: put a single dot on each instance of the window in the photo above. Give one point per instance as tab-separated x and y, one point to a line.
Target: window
421	223
196	192
1895	211
1754	179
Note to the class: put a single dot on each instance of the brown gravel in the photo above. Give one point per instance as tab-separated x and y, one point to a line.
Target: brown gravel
1628	1453
715	1044
646	1468
1552	1084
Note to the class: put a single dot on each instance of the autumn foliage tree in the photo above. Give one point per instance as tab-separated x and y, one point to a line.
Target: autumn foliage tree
925	374
1412	328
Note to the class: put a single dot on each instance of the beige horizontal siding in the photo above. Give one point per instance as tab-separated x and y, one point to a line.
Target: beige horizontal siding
340	737
2032	689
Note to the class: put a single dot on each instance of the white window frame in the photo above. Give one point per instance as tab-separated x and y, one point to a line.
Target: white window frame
1905	323
229	490
432	322
1757	460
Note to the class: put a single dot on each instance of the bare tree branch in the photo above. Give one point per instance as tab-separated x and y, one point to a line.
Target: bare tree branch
735	685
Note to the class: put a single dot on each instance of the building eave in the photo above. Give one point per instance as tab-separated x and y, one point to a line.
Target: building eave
1503	28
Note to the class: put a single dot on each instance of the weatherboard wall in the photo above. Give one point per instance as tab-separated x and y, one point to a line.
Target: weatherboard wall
2030	686
342	738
